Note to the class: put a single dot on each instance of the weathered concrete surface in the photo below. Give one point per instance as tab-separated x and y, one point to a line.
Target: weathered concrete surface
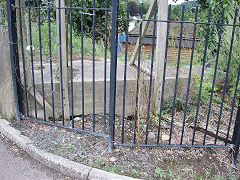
14	135
7	107
97	174
65	166
99	86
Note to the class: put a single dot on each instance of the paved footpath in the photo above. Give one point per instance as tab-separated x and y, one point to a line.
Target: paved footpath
17	165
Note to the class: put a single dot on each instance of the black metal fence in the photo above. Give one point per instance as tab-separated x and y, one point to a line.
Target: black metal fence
198	94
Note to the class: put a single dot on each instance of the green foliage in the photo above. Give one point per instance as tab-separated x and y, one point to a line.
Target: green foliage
176	12
86	14
45	38
43	12
84	157
99	17
204	3
189	5
146	4
225	48
167	106
189	14
206	89
87	42
163	175
217	8
88	46
159	173
3	13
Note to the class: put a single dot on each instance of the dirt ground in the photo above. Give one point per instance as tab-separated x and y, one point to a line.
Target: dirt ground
145	163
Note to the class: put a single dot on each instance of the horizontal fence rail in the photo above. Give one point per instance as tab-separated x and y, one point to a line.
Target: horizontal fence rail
75	73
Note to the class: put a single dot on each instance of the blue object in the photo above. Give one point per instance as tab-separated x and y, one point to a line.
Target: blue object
121	38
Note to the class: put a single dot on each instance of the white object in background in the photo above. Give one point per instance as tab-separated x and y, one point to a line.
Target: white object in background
132	24
29	48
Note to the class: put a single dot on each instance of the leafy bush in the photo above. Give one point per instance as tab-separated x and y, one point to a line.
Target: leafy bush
206	89
225	49
217	8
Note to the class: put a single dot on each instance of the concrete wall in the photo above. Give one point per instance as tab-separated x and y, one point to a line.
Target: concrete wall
7	107
99	96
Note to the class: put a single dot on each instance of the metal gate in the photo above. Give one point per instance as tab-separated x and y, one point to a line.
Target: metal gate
130	122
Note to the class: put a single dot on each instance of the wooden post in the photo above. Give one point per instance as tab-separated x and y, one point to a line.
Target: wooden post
160	50
64	55
144	31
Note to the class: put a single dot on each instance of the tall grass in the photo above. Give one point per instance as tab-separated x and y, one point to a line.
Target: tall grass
76	42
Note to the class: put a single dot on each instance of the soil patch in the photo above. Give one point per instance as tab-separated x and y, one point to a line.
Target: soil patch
146	163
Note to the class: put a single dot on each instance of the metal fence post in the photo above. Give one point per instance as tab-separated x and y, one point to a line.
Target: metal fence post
113	70
12	29
236	135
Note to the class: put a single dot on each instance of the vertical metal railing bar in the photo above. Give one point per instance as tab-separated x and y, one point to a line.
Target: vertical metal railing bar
138	77
233	105
125	76
11	15
177	74
190	75
203	70
50	57
93	39
82	56
113	70
227	73
164	74
60	56
105	68
23	59
71	60
16	61
214	77
236	136
151	74
32	63
41	60
116	61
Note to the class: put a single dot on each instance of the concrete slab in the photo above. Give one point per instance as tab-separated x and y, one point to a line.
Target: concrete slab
99	85
65	166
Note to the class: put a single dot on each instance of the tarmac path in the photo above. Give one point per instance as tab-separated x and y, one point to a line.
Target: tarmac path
17	165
